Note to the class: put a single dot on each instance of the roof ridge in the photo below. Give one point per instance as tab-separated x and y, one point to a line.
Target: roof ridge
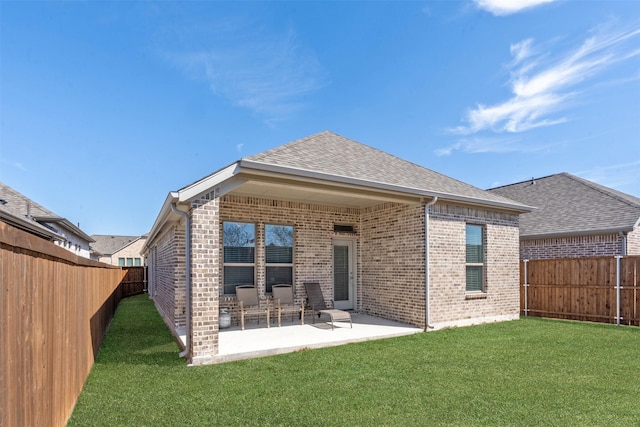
603	189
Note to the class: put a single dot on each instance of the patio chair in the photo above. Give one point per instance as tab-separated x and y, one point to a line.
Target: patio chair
318	305
249	303
284	302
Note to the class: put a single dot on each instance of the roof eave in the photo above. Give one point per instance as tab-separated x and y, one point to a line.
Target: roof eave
30	227
594	232
161	219
66	224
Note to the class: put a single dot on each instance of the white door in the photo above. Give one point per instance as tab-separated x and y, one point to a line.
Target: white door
343	274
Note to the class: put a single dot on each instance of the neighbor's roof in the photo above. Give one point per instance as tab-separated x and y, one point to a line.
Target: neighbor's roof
22	207
333	157
568	205
108	245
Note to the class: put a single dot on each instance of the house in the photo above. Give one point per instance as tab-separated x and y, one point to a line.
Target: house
119	250
34	218
382	235
574	218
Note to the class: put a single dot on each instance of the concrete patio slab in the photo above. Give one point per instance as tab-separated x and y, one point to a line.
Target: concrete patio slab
259	341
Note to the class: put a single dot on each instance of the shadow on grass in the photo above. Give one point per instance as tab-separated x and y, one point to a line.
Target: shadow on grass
138	336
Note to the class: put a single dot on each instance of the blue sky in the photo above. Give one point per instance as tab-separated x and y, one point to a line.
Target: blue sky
105	107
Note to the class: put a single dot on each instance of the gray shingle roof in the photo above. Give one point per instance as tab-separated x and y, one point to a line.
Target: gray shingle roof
23	207
569	205
107	244
331	154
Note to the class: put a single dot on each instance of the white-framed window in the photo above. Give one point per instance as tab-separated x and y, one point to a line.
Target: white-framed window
239	255
278	249
475	258
121	262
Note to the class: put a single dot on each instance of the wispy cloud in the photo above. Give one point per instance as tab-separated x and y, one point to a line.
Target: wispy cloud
264	72
508	7
477	144
14	164
542	86
620	176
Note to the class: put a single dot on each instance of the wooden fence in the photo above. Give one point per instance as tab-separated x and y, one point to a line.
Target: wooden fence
134	281
54	310
582	289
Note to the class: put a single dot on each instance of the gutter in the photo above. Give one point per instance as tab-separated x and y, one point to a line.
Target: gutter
594	232
427	307
187	237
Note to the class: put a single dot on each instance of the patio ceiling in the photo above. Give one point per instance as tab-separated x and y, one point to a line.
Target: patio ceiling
311	191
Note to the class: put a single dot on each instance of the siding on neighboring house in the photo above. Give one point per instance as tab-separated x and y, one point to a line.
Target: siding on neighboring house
571	246
633	242
574	218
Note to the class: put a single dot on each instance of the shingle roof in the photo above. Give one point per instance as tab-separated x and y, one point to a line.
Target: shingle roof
107	244
23	207
20	205
568	205
331	154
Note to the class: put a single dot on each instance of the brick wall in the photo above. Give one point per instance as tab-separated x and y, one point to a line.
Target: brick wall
390	279
392	262
450	303
313	236
633	242
576	246
168	275
205	278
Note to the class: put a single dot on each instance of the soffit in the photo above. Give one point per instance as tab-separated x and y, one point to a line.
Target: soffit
317	193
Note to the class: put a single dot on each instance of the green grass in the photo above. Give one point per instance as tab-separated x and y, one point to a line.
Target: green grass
521	373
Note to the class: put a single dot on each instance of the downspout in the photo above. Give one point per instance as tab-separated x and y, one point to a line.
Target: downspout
427	210
187	247
623	249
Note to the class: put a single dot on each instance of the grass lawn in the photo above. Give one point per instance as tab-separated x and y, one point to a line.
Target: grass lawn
526	372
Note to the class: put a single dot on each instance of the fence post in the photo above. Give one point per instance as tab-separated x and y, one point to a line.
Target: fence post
618	289
526	289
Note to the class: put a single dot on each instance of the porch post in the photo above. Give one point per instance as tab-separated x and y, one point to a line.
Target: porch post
205	283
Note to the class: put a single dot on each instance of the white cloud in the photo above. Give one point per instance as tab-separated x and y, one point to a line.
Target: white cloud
541	85
266	73
476	144
620	176
239	147
507	7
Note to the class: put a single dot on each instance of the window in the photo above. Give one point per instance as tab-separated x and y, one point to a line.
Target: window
239	255
475	258
129	262
136	262
278	242
121	262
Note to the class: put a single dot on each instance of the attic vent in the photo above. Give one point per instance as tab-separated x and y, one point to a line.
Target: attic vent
341	228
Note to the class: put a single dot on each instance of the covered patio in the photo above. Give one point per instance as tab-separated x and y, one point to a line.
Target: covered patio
259	341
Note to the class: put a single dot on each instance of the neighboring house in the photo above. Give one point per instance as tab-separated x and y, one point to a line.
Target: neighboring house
34	216
123	251
574	218
328	209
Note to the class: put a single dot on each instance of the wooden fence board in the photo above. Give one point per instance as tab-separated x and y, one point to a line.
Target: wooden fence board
55	308
582	289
